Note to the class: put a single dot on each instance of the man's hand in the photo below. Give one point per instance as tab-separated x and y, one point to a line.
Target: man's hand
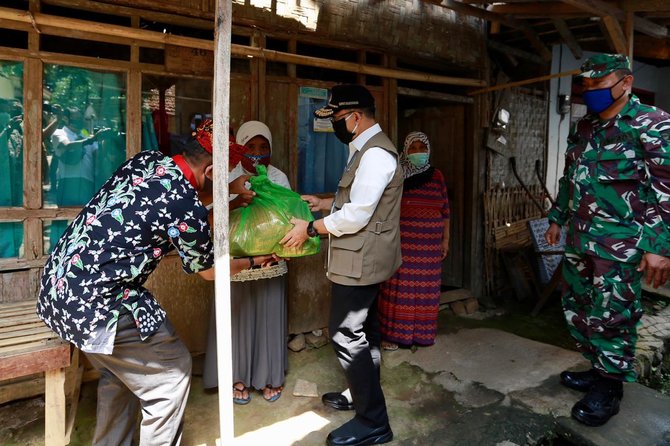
553	234
296	236
237	185
317	204
657	268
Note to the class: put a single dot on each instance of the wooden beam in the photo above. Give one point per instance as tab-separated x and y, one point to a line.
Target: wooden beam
114	9
524	82
237	50
651	48
505	20
599	8
506	49
615	33
568	37
537	10
629	35
644	5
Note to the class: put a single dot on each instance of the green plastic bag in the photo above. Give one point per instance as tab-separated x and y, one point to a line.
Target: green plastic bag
257	228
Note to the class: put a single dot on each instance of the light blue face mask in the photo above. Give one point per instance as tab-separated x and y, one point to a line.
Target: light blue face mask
418	159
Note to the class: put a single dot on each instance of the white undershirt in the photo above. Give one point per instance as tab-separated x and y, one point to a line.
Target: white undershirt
373	174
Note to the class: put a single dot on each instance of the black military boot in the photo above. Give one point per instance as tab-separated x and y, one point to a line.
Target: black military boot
581	381
600	404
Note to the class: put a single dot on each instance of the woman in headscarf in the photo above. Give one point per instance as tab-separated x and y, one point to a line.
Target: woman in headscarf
258	298
409	301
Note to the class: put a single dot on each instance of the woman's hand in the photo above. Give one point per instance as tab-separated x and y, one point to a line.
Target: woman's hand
445	248
237	186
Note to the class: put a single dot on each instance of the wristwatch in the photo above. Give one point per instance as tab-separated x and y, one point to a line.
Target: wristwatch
311	232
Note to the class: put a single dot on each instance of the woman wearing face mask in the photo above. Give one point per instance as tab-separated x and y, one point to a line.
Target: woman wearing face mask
409	301
258	297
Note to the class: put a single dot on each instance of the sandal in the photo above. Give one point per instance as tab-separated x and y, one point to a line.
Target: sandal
241	400
274	397
389	346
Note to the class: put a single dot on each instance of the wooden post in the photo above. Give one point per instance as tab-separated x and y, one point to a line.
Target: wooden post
54	410
134	95
221	118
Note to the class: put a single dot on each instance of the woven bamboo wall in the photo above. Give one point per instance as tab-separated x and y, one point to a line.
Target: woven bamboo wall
506	215
412	28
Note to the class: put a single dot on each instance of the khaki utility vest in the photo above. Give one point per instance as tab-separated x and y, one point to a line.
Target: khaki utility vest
372	254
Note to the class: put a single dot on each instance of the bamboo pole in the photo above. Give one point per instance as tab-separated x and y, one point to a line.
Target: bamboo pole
524	82
221	118
42	20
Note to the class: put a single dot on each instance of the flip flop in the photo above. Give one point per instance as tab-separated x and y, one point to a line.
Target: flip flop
276	396
241	401
389	346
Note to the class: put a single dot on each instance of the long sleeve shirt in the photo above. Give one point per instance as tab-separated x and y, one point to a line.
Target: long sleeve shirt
374	173
615	189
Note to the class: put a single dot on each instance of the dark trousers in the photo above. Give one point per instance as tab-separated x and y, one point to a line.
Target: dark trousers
354	328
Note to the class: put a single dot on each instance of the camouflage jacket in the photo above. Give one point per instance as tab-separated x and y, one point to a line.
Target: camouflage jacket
615	188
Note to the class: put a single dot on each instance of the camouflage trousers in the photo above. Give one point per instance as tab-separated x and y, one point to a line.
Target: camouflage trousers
602	307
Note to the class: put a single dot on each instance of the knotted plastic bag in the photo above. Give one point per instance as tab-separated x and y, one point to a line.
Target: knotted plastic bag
257	228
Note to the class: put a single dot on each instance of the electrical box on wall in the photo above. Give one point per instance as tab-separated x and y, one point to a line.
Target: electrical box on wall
563	104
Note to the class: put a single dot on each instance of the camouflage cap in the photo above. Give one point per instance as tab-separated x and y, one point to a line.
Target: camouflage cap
603	64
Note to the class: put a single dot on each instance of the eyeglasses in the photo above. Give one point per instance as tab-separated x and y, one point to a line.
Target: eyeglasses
333	118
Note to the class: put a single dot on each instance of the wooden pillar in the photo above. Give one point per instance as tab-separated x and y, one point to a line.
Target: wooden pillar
134	99
221	118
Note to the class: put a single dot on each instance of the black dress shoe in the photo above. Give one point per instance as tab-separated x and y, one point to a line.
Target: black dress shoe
337	401
600	404
354	433
581	381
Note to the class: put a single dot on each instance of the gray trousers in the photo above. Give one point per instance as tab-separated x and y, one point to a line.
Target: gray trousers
152	375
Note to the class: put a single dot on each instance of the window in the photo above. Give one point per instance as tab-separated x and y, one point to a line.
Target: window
171	109
84	132
11	154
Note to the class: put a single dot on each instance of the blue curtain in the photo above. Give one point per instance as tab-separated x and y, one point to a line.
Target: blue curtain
321	156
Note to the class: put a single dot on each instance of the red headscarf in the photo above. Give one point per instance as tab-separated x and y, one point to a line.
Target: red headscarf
204	135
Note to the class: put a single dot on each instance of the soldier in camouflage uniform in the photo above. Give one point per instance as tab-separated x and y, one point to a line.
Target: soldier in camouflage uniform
615	195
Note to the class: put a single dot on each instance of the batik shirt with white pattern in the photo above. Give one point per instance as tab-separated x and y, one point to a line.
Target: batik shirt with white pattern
96	271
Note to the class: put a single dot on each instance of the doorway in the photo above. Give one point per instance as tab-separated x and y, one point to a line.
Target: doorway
445	125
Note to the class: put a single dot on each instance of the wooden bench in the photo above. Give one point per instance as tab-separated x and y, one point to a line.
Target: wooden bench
27	347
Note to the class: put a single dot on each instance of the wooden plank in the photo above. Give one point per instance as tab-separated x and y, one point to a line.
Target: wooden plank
22	306
455	295
32	133
26	338
538	10
4	330
20	388
17	319
524	82
30	331
54	410
157	16
54	355
629	35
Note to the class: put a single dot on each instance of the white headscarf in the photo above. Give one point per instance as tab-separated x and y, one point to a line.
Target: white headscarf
408	168
253	128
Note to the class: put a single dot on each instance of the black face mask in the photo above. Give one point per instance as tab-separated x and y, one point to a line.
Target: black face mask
341	132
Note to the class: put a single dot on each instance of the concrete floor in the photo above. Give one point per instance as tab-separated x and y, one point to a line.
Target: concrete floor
477	386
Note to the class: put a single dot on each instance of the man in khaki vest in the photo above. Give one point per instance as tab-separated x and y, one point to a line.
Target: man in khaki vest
364	250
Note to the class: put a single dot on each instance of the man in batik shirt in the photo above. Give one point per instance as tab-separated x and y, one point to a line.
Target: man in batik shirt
92	295
615	197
